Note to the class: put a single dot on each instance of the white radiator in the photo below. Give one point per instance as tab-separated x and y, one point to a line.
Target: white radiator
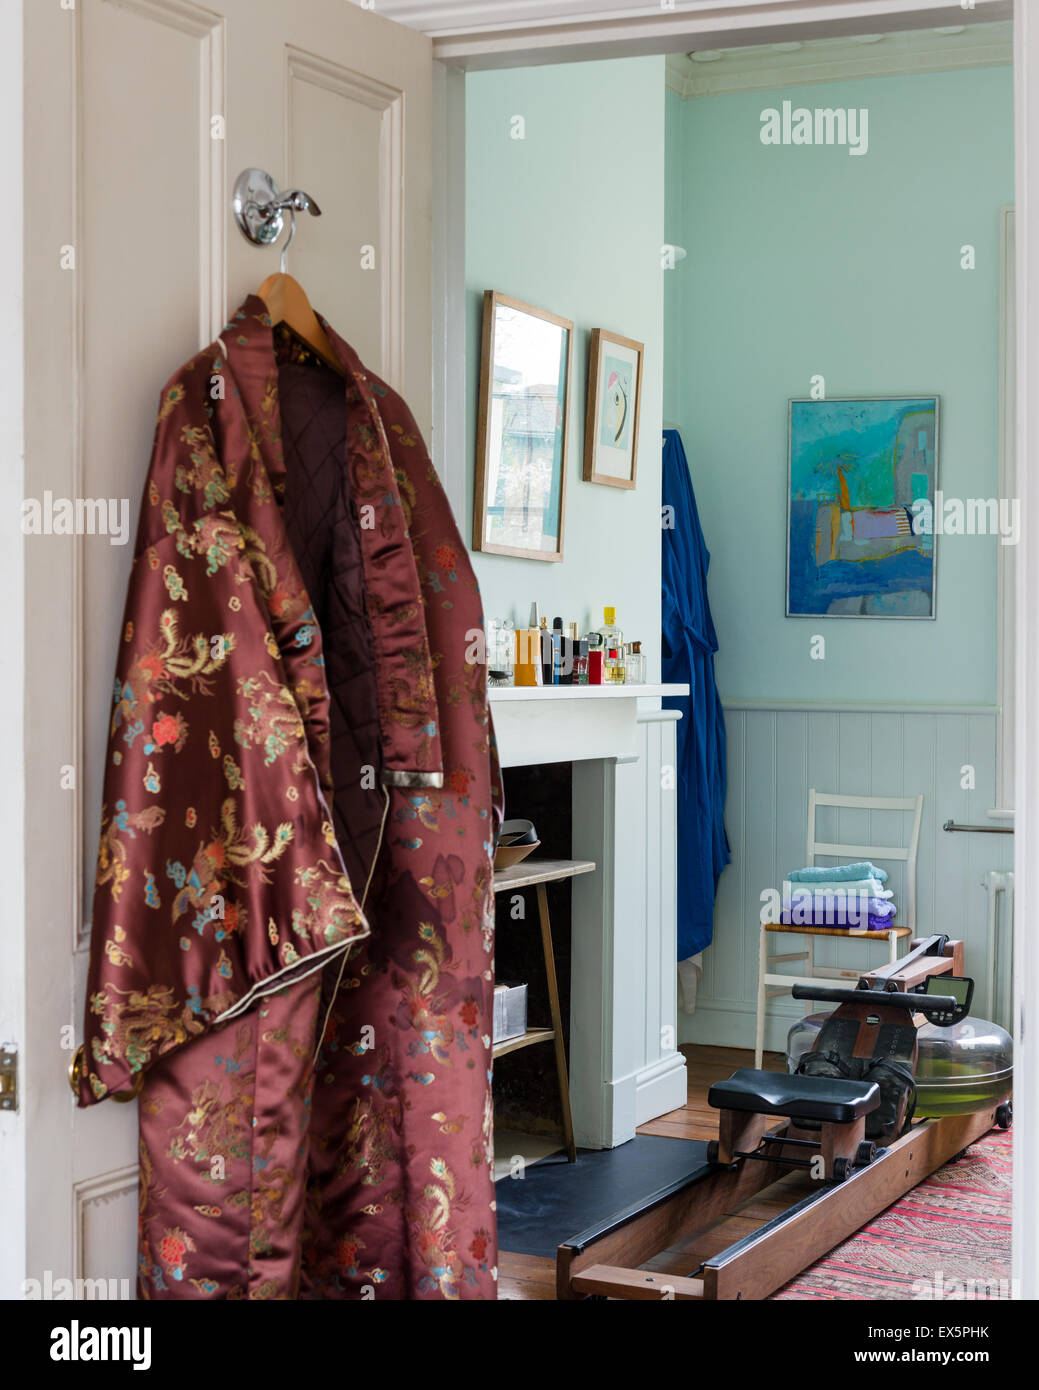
999	949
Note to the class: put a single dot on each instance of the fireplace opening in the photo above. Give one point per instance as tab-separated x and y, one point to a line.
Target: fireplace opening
526	1090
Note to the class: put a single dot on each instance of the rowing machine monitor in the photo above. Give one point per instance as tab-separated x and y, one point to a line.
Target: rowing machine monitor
960	988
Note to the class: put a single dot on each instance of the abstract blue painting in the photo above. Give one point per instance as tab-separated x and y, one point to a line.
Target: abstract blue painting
855	545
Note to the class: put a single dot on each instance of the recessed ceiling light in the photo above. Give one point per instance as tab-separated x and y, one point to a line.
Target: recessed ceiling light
953	29
787	47
707	55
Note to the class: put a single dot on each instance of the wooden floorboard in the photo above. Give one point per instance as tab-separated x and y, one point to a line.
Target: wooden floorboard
522	1277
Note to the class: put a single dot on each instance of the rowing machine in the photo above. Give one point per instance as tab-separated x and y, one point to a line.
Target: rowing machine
806	1159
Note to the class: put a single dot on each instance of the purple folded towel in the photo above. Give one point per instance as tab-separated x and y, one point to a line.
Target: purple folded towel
847	922
852	909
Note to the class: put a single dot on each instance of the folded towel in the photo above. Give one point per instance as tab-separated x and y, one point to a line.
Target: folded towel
834	909
873	922
868	887
838	873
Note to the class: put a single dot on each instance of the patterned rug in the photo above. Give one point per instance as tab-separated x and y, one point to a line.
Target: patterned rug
947	1239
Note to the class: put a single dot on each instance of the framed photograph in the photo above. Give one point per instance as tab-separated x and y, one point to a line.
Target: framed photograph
862	476
611	436
522	430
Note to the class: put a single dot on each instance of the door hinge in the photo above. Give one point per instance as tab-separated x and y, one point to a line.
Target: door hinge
8	1076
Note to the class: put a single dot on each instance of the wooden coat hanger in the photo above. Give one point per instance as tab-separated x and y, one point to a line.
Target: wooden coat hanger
259	207
287	303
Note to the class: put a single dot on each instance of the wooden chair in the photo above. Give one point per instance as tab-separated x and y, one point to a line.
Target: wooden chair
770	985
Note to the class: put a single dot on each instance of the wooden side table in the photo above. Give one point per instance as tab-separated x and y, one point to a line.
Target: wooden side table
535	873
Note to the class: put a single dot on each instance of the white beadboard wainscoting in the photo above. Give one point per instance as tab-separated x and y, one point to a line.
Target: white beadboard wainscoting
774	755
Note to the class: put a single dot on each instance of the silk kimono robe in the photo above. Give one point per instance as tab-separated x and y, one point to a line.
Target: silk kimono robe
291	955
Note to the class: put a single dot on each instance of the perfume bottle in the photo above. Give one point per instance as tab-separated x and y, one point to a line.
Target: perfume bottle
613	648
610	632
581	661
527	664
634	665
596	654
568	665
547	662
557	651
501	652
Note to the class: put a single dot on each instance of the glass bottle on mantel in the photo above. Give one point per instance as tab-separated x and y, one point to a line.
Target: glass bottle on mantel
501	652
596	656
581	675
634	665
613	648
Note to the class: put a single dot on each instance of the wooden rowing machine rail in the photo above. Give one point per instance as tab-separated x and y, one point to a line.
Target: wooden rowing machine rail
823	1182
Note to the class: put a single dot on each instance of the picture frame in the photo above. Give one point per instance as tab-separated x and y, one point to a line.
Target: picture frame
526	368
862	481
611	435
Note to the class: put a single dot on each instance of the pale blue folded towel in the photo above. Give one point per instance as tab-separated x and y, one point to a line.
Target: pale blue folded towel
801	894
870	886
838	873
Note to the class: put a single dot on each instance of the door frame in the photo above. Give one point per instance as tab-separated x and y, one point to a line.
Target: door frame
13	786
586	36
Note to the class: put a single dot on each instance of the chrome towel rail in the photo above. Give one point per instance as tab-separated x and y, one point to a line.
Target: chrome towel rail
980	829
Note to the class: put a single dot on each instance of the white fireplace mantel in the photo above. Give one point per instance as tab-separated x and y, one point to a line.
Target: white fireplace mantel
570	723
625	1067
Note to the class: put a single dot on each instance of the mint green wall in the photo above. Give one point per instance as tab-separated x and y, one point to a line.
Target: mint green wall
571	219
806	260
675	327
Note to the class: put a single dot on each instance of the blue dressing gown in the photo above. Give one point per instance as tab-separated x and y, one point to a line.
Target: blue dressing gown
687	649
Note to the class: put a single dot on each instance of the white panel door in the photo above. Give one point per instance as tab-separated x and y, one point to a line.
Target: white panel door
139	114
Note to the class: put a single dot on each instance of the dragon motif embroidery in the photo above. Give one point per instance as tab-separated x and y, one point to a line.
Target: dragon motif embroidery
205	474
331	907
217	1123
274	722
139	1023
111	854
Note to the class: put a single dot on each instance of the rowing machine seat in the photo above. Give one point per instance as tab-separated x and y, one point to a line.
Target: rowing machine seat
825	1098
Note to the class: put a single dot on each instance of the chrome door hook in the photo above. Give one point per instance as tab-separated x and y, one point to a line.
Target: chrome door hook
259	208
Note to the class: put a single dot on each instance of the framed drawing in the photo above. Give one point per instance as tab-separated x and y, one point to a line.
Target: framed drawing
860	505
611	436
522	430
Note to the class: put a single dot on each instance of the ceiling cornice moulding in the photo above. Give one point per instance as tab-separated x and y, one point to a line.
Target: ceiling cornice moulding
502	33
436	17
762	67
